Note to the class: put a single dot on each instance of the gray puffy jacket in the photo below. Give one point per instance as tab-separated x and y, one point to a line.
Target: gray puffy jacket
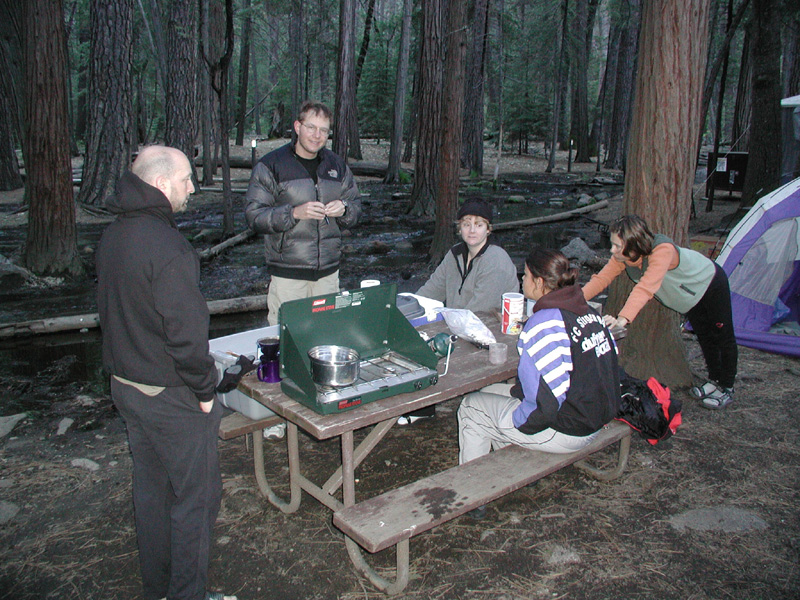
300	249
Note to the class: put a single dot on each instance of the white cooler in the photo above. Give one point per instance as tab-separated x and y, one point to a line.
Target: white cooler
240	343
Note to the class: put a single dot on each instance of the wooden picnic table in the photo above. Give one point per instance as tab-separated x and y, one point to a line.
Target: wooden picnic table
469	370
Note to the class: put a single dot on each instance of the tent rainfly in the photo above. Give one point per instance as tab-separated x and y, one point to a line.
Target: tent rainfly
761	257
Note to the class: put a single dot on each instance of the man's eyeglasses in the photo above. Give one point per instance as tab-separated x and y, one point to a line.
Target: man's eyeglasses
312	129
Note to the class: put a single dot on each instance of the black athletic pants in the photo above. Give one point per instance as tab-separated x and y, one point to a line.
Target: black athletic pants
712	322
177	487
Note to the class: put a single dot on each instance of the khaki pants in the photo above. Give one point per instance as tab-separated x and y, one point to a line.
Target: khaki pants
283	290
485	424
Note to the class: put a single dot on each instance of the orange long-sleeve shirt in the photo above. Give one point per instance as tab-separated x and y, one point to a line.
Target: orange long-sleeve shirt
663	258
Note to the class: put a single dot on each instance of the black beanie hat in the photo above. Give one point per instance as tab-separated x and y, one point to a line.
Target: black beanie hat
477	208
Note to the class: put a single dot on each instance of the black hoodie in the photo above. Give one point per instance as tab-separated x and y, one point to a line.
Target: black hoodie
153	317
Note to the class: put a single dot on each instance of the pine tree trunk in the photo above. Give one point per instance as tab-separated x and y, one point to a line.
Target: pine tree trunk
108	140
742	112
452	126
345	79
297	53
624	86
790	165
584	23
429	107
12	47
181	80
472	149
244	71
51	245
393	170
763	162
661	166
10	178
559	88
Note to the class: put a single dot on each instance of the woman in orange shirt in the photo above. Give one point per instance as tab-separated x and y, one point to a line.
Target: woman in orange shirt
683	280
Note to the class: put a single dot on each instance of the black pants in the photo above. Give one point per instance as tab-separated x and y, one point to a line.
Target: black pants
712	322
177	487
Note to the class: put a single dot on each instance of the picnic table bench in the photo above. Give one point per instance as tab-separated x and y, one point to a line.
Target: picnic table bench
397	515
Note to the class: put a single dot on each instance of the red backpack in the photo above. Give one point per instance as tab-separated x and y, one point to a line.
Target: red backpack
648	408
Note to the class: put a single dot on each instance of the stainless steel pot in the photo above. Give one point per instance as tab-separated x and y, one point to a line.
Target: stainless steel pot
334	365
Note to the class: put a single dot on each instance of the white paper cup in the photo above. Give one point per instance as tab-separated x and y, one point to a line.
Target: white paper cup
369	283
498	352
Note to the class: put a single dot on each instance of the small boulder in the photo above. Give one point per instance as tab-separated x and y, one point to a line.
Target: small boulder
377	247
579	251
585	200
8	510
7	424
85	463
516	199
64	425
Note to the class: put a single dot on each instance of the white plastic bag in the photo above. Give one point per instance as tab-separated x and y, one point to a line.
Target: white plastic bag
466	325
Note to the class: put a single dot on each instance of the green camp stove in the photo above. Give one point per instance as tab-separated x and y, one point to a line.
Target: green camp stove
394	358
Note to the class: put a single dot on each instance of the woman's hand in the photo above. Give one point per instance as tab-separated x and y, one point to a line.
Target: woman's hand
612	322
206	406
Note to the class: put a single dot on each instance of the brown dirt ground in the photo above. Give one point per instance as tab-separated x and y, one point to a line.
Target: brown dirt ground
568	537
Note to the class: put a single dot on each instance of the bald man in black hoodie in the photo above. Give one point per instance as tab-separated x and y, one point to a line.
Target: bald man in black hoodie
155	347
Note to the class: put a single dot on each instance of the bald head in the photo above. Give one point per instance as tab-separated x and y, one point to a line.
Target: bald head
156	161
167	169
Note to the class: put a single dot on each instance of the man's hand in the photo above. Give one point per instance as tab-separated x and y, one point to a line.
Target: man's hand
310	210
335	209
206	406
612	322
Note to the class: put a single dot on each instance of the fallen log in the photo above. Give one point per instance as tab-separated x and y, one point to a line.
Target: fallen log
551	218
90	321
238	238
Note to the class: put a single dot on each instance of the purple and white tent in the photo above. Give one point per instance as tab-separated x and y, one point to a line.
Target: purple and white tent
762	259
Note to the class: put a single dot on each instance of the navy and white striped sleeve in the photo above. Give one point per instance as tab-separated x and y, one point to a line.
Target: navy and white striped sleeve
544	356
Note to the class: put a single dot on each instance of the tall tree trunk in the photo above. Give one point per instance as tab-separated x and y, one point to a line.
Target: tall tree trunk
108	143
218	68
452	126
599	128
557	98
658	181
12	68
244	70
297	53
790	164
51	245
83	92
345	79
584	24
723	79
472	148
181	81
742	112
401	84
10	178
715	64
256	95
362	53
429	106
624	88
763	161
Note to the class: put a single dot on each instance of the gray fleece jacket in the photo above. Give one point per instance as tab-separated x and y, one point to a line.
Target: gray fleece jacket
479	287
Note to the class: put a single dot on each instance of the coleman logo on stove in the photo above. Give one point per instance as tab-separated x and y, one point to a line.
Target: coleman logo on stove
349	402
318	306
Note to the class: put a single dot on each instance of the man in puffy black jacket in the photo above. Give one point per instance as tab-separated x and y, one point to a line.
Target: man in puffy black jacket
299	197
155	346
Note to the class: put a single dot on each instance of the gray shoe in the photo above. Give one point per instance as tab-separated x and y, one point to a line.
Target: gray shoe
704	391
718	399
